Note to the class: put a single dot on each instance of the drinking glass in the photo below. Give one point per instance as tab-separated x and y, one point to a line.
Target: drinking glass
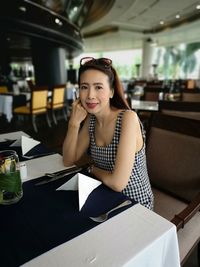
10	179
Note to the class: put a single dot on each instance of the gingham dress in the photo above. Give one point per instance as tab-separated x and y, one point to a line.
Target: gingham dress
138	187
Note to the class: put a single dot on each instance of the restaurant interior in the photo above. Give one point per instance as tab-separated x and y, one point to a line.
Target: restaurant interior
42	42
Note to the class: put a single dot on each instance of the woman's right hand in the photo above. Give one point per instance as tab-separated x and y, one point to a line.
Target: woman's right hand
78	113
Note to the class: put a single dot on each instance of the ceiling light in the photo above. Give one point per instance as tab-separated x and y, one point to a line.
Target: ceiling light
178	16
58	21
198	7
22	8
161	22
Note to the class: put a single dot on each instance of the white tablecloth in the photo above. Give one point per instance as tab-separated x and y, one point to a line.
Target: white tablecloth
12	135
136	237
6	106
144	105
39	166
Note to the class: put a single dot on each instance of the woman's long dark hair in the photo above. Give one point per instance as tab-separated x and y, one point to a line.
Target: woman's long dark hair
118	100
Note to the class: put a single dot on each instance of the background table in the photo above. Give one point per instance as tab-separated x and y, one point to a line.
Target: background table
9	101
12	136
139	105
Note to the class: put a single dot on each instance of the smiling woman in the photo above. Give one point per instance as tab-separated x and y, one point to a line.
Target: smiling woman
102	126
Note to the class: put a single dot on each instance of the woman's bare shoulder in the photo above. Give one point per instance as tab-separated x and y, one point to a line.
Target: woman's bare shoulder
130	115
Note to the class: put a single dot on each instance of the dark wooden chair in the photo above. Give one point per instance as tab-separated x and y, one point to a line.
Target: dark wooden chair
189	110
173	160
191	95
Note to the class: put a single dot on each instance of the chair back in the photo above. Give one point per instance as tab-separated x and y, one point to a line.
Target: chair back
39	101
151	96
58	97
152	93
173	155
191	96
180	109
3	89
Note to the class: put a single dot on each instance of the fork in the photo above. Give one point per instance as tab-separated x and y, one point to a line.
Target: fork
104	217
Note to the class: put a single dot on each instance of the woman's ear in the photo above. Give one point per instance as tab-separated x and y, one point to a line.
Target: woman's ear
112	93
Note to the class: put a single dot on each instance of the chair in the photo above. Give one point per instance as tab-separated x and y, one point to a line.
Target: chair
189	110
3	89
191	96
57	102
173	160
190	84
153	93
37	106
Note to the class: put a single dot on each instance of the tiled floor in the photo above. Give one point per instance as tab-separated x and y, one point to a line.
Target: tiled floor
53	139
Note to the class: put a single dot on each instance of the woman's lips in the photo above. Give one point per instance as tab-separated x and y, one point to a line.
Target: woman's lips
91	105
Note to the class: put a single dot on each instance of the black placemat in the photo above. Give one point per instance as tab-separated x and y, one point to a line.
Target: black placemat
45	218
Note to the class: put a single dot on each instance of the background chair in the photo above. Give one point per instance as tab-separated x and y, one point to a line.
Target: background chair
3	89
37	106
189	110
57	101
191	96
173	160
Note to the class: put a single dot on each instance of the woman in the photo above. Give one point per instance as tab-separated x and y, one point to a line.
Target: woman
102	124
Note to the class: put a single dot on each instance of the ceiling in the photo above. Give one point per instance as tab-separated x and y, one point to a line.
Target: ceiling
118	24
129	22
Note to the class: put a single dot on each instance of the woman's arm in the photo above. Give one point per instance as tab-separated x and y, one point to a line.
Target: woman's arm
74	147
130	142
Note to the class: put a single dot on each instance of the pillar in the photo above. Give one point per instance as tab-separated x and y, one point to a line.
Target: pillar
49	63
4	56
147	56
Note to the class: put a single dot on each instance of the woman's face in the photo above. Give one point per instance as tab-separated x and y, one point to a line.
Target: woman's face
95	91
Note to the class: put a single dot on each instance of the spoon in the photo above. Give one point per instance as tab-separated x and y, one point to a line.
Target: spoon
104	217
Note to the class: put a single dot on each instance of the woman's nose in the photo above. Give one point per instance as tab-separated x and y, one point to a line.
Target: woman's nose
91	93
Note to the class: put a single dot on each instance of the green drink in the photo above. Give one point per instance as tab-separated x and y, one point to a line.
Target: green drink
10	179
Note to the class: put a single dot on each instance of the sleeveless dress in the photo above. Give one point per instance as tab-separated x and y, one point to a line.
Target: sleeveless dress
138	187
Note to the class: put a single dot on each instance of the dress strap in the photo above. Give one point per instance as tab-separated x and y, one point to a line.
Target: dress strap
91	124
142	129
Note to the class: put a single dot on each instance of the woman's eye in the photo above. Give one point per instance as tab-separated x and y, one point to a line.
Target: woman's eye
99	87
83	87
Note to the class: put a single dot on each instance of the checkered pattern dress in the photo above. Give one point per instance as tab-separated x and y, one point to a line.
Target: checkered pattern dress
138	187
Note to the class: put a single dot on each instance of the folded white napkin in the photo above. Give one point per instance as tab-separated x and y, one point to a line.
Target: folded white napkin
27	143
84	184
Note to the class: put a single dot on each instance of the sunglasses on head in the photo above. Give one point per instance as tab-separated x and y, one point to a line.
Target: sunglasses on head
105	62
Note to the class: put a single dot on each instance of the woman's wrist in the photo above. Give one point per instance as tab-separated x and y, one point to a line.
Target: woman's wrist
73	124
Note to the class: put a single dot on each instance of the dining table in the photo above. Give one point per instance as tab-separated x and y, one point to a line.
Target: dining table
47	228
143	105
10	100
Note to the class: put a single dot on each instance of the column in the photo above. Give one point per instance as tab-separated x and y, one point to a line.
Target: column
4	55
49	63
147	56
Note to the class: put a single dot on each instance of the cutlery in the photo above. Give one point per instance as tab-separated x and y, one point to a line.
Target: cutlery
104	217
53	174
38	155
56	177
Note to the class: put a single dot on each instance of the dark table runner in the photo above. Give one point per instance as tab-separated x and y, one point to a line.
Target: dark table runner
37	151
45	218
